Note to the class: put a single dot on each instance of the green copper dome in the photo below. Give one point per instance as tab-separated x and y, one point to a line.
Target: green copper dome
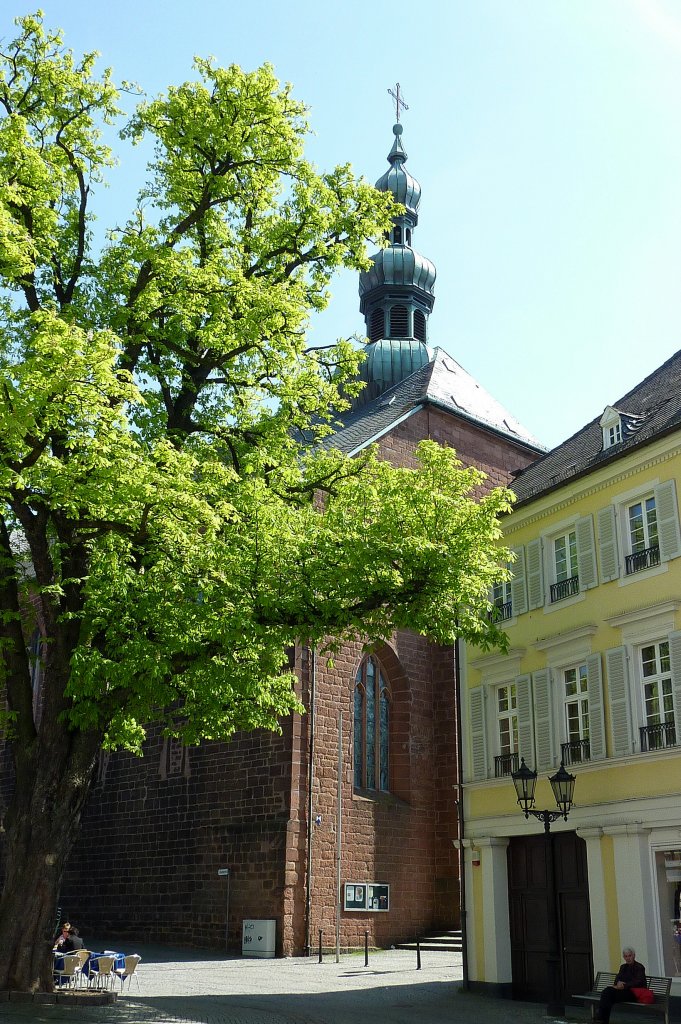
390	360
399	181
399	265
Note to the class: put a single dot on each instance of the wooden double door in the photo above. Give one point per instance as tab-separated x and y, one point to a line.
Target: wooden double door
529	877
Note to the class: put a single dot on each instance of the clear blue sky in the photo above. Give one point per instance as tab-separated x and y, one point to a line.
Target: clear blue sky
546	137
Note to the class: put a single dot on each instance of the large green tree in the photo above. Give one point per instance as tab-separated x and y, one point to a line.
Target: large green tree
170	520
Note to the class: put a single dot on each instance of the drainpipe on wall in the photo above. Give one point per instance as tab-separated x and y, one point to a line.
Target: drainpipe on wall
460	814
312	676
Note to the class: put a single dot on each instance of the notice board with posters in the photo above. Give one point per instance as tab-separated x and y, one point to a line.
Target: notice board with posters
371	896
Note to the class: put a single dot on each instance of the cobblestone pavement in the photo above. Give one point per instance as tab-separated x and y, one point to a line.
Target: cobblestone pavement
192	987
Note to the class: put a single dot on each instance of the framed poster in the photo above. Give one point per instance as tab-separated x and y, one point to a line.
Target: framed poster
355	896
378	896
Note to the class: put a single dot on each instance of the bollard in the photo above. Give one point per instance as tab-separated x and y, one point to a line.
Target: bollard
418	955
320	945
366	949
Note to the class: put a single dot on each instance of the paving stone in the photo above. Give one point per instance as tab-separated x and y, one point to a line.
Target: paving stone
190	986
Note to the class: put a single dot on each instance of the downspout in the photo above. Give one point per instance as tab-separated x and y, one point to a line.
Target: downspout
460	814
312	671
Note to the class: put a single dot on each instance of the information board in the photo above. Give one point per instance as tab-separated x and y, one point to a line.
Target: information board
378	896
371	896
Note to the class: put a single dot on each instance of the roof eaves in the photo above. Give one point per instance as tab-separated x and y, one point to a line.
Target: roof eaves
373	438
617	453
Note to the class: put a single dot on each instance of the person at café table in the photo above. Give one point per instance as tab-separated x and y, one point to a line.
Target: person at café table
631	975
62	936
73	940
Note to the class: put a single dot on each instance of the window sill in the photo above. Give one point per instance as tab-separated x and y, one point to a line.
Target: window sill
565	602
378	796
643	574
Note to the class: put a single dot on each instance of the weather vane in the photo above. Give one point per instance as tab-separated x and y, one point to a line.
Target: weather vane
399	102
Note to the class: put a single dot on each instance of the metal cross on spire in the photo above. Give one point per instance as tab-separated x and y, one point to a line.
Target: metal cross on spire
399	102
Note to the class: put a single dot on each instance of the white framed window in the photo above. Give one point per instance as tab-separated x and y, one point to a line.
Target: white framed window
576	714
502	600
506	703
642	536
565	568
658	729
639	531
611	425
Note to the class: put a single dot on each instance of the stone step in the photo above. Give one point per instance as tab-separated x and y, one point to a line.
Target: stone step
449	942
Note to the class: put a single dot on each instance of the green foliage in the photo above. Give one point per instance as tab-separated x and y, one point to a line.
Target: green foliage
160	414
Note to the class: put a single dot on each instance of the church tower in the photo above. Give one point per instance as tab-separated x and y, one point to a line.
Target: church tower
397	292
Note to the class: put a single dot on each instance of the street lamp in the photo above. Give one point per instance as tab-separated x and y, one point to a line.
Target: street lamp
563	786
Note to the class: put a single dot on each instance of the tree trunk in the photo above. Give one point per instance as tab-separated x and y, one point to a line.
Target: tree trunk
40	826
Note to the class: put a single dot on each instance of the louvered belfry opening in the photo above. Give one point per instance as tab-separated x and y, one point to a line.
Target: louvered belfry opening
399	322
377	328
419	325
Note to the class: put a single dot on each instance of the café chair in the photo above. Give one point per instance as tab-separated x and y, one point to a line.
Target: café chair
83	956
128	970
101	971
68	972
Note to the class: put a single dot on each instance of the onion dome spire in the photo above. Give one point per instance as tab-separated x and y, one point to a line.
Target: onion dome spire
397	292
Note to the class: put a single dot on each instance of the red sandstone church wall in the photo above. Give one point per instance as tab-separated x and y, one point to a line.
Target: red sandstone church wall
146	863
493	454
403	838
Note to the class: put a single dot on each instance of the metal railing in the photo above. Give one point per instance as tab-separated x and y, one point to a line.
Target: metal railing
659	736
575	751
504	764
501	610
642	559
566	588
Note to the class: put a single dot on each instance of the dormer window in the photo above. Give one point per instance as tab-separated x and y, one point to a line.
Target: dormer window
611	425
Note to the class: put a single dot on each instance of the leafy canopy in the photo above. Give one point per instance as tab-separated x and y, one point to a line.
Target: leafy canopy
161	418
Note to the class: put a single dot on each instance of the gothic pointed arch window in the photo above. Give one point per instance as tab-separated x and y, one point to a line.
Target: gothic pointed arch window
371	727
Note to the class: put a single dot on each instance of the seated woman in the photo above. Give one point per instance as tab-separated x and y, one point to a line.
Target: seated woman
631	974
62	936
73	941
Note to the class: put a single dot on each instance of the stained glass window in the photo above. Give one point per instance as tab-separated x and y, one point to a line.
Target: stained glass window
371	728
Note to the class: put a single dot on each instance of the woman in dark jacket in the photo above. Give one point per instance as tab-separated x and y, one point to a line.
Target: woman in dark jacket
73	941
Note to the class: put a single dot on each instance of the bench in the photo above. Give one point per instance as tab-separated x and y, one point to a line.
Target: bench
660	986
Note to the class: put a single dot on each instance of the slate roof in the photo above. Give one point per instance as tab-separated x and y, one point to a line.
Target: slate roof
649	410
442	383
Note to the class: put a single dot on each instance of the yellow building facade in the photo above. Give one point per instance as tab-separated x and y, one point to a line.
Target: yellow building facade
592	678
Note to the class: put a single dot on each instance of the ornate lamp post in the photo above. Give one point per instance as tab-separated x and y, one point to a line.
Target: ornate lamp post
563	786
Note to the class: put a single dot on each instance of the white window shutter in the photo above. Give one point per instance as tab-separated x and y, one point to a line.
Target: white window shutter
542	687
607	544
618	697
668	532
586	553
476	706
518	582
596	716
535	576
675	658
523	691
